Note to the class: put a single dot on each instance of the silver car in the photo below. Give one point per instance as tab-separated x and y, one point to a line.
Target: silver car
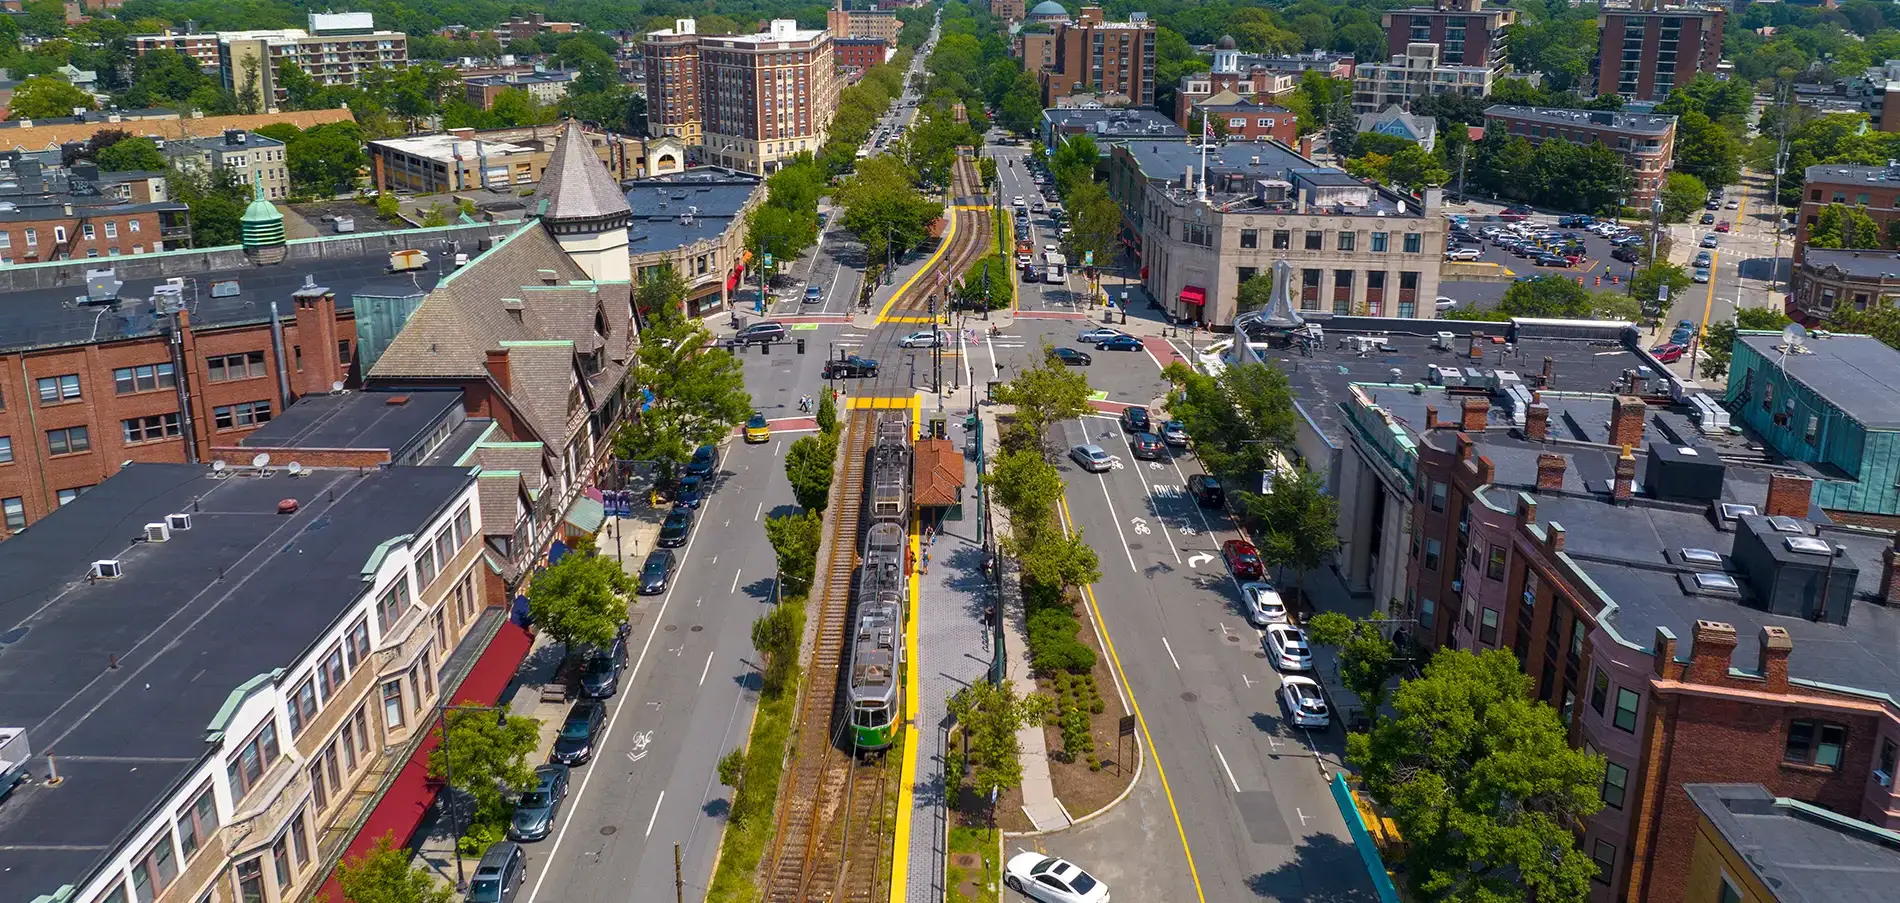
1091	458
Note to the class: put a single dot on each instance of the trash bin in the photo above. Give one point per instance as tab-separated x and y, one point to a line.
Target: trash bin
801	346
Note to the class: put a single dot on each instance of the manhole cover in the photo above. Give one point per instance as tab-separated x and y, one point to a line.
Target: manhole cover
672	627
1260	655
1190	697
607	830
1233	638
1134	547
966	860
698	627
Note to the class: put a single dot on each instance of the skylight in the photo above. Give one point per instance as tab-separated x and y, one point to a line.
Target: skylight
1734	510
1715	581
1810	545
1784	524
1701	556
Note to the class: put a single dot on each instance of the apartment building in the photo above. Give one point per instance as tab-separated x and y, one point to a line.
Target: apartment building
467	159
674	83
1008	10
864	20
1037	50
1228	81
766	96
1649	47
250	158
694	221
1106	59
201	47
1355	249
1416	73
82	213
859	54
1645	141
250	701
336	50
1467	32
519	29
545	88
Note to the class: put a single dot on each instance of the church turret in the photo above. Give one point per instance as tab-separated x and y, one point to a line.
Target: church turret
262	230
584	209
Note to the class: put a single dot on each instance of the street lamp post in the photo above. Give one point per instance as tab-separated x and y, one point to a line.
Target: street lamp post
448	768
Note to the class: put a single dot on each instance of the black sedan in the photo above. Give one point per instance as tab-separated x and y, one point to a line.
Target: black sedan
677	526
1070	356
1120	343
656	573
691	493
575	743
1146	446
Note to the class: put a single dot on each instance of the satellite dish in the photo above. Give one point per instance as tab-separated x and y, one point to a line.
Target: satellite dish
336	386
261	461
217	467
1793	335
295	469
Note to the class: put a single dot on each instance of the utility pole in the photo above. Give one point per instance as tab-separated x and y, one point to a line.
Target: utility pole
1781	165
1464	150
679	882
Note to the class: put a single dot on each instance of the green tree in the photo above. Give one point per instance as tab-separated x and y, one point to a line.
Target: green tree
1073	163
795	539
1649	283
581	599
1841	226
1367	660
990	715
778	231
1097	221
163	77
485	757
1707	150
808	465
827	412
1413	169
1255	293
1483	783
46	97
1051	557
216	201
1718	344
1299	522
387	874
1683	195
698	391
301	90
1045	394
883	208
1553	296
326	159
132	155
1239	419
732	768
776	635
1026	485
1882	322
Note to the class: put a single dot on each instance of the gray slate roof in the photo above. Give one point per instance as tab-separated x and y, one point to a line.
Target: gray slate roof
577	185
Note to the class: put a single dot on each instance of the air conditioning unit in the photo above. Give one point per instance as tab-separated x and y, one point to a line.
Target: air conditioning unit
106	569
1457	586
178	521
1882	778
158	532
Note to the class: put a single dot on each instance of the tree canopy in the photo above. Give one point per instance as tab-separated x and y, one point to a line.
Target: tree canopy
1240	420
581	599
698	392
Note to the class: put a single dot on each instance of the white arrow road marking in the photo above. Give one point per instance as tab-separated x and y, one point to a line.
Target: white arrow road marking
1199	558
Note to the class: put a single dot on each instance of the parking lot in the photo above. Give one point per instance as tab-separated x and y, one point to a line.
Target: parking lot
1596	268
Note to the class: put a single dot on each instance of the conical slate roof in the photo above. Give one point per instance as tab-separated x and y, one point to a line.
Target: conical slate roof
577	189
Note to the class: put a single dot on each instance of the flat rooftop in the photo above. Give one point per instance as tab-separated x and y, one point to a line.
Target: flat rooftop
710	197
1805	853
1858	374
1634	123
1247	163
1115	122
184	636
443	148
381	419
1864	264
1834	173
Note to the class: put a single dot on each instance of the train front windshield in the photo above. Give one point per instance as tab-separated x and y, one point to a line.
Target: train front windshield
870	714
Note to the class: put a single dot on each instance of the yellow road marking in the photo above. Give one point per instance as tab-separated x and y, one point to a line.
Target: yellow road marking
1715	257
907	777
949	236
878	402
1153	753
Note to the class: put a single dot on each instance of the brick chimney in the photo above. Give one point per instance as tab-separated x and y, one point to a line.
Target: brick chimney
1431	418
316	335
497	365
1890	576
1624	484
1476	351
1526	509
1788	496
1475	413
1709	657
1537	423
1550	472
1549	370
1554	537
1627	413
1773	664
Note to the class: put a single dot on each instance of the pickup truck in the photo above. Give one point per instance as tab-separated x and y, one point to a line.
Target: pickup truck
852	367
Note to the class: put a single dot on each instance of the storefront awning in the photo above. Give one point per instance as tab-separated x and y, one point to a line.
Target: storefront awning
586	515
1194	294
732	280
412	792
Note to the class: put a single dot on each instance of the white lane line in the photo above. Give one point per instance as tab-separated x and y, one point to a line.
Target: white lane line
1223	767
735	582
761	510
1134	464
1165	645
995	371
1116	519
706	670
775	447
656	813
614	721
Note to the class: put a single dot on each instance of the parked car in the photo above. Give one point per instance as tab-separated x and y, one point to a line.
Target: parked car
1264	605
1052	880
1091	458
1629	239
1146	447
1444	303
574	745
1515	214
1175	433
761	333
1668	352
536	808
1098	335
1286	647
1070	356
852	367
1552	260
1303	703
1626	253
1120	343
1708	219
600	678
691	493
1206	490
704	462
1135	419
1243	560
814	294
498	877
657	572
677	526
1463	254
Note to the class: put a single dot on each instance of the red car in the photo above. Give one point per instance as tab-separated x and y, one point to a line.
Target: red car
1514	214
1723	226
1243	560
1668	353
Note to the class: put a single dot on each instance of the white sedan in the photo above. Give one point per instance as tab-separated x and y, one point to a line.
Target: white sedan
1286	646
1463	254
1263	604
1018	202
1052	880
926	339
1092	458
1303	703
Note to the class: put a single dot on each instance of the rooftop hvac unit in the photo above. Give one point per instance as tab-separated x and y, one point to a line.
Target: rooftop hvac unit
158	532
178	521
1442	341
106	569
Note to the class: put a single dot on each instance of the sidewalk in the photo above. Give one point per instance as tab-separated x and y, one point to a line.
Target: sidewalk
953	651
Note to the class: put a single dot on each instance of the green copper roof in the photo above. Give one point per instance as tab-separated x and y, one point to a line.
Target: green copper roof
262	224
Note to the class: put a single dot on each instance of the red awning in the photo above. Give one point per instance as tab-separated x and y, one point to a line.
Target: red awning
732	280
1194	294
410	796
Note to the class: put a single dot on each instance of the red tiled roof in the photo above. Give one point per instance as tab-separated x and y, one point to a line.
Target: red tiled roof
937	473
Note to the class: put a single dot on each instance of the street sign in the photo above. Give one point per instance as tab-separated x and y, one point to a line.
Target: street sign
1127	725
1088	258
768	261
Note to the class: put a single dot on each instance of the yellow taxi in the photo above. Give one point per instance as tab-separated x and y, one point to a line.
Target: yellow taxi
757	430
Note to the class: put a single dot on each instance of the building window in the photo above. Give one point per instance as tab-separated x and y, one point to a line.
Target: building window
1315	240
240	416
155	870
224	368
1433	549
59	389
69	496
1378	242
1730	893
1625	717
112	229
303	705
1427	612
1494	566
14	510
331	672
147	429
1347	240
280	862
1438	496
1616	780
392	704
248	766
1414	242
250	880
393	602
1250	238
298	843
1888	753
69	441
1812	743
6	449
1599	691
358	647
1488	627
1282	239
127	380
32	239
89	232
197	822
59	235
1604	854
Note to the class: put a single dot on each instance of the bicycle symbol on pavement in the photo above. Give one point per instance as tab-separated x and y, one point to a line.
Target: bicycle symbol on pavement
640	742
1141	527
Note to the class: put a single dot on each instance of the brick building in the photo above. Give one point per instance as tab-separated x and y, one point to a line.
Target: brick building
858	54
1468	32
1229	82
67	216
863	21
1828	279
201	47
1107	59
767	96
1037	50
673	82
1648	48
1245	120
1645	141
520	29
466	159
1873	190
1008	10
